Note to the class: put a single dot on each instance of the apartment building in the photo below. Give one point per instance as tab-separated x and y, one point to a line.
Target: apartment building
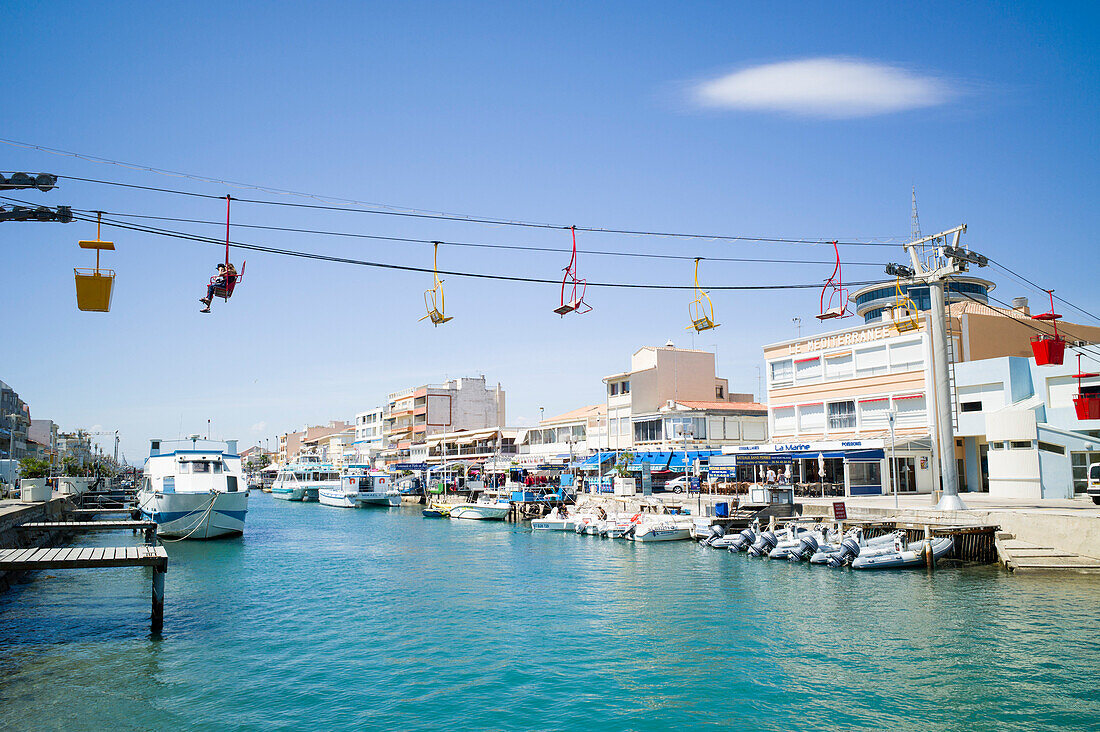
291	444
411	416
671	393
831	397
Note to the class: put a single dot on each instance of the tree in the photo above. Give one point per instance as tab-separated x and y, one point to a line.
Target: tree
32	467
622	465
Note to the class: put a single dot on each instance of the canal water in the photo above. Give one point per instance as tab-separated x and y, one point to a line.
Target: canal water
322	618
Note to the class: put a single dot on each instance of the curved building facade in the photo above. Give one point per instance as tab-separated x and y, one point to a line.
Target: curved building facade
871	301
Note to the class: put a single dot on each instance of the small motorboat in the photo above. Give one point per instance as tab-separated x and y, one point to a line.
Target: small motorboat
785	540
910	556
850	547
436	510
553	521
659	529
482	511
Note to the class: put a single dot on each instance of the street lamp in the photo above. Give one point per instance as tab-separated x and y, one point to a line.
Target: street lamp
686	430
571	440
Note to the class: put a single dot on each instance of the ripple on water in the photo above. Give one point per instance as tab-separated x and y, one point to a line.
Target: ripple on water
378	618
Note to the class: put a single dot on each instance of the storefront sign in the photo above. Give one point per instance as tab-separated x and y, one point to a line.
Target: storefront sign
840	511
769	459
821	446
841	339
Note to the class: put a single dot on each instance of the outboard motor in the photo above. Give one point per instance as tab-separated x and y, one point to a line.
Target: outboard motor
763	544
717	531
743	541
807	547
849	550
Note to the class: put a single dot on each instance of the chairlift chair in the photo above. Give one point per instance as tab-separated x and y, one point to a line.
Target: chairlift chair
576	303
905	308
837	293
434	301
224	290
1049	349
701	309
1087	406
95	286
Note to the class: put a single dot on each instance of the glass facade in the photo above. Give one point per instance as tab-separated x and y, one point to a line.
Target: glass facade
884	296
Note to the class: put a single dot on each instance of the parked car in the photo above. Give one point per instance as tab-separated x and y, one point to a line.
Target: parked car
679	485
1093	488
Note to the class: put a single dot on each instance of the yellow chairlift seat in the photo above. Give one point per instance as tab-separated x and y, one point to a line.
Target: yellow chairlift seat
94	286
701	309
434	301
904	310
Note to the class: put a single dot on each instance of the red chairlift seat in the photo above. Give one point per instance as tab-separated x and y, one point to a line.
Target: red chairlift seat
837	293
1049	348
576	303
1087	406
226	291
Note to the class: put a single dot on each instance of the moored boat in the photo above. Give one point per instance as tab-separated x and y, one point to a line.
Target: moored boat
480	511
197	493
304	479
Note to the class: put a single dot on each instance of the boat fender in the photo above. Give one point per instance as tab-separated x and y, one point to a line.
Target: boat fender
635	517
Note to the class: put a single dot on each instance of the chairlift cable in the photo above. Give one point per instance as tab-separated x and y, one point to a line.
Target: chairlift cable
410	268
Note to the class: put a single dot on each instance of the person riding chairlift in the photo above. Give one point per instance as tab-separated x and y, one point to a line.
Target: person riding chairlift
220	281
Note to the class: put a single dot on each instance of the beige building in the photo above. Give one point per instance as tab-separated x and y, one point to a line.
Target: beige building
291	444
832	395
667	390
412	415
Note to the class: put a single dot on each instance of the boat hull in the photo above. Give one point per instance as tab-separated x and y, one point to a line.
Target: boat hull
192	516
288	494
553	524
661	533
378	499
336	498
480	511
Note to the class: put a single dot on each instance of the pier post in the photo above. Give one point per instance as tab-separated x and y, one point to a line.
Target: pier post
158	598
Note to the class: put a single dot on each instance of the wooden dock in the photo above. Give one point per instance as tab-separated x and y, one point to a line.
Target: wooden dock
149	528
24	560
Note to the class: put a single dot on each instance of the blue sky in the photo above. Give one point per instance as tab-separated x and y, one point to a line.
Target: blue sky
617	115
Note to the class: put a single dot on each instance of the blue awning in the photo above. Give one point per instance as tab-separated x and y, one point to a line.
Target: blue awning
677	462
657	460
593	461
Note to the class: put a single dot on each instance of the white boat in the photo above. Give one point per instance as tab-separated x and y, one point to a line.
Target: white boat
196	493
481	511
304	479
905	556
660	528
553	521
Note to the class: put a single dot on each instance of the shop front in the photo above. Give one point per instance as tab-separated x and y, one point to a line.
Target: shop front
828	467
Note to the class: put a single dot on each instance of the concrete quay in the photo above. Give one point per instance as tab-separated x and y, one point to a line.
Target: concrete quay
1068	527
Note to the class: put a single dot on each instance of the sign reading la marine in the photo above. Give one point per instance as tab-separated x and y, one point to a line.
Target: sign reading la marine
842	339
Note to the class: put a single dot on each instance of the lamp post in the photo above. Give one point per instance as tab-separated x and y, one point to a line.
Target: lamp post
571	440
685	431
891	418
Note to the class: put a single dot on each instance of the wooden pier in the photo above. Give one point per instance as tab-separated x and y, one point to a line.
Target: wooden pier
149	528
24	560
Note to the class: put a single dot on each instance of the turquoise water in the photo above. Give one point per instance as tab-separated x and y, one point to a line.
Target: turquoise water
322	618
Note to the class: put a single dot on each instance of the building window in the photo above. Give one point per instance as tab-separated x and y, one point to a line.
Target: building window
865	474
1050	447
647	431
811	418
782	372
971	406
719	392
613	388
624	388
911	411
807	370
783	420
1080	462
839	365
996	445
1019	445
872	414
908	356
842	416
871	361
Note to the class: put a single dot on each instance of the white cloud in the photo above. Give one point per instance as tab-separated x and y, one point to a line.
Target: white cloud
259	427
824	87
